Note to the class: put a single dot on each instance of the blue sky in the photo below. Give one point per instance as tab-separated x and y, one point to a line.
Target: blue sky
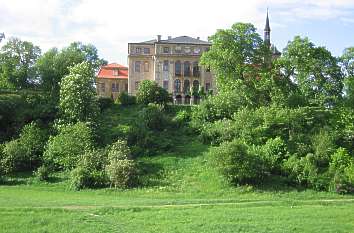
111	24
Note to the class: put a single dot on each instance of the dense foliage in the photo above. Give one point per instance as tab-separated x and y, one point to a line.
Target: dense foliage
151	92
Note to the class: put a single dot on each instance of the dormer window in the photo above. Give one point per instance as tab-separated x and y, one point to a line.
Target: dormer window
138	50
146	50
115	72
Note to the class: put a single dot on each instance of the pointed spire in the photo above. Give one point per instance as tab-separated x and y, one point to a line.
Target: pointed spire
267	27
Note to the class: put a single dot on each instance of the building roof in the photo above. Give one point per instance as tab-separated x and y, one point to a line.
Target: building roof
179	40
107	71
267	27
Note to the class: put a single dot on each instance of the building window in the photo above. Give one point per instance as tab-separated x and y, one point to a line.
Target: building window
146	50
208	69
178	49
195	86
207	87
115	72
126	87
166	49
177	86
115	87
196	72
165	84
178	69
186	86
138	50
165	65
187	68
103	87
187	49
137	85
137	66
146	66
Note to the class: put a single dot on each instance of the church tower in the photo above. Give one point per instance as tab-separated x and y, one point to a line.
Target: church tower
267	32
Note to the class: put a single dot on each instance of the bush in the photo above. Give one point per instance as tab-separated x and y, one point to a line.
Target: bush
89	172
104	103
150	92
342	170
125	99
63	150
274	152
238	164
121	170
153	117
25	153
42	173
182	118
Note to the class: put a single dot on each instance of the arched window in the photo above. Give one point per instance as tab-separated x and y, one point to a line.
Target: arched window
186	86
196	72
187	68
178	69
177	86
195	86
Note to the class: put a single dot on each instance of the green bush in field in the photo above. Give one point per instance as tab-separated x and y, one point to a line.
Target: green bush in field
238	163
63	151
151	92
90	171
25	153
42	173
120	169
154	117
342	170
125	99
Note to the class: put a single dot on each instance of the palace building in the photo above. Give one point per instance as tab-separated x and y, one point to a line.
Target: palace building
173	63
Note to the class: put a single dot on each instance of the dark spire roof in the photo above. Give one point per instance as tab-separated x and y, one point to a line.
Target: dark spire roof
267	27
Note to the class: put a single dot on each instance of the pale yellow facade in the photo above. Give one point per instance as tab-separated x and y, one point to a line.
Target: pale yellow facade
174	66
111	88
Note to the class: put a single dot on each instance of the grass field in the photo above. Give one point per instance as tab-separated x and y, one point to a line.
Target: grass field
181	192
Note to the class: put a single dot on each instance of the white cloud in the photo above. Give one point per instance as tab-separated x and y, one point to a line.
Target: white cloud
111	24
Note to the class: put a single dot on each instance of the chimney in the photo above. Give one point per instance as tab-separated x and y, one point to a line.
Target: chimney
198	38
158	38
169	37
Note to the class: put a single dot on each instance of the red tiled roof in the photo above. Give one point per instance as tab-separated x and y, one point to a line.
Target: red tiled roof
108	71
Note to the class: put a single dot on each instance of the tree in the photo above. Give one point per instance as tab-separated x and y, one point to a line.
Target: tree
77	94
347	62
150	92
17	64
314	70
236	53
54	64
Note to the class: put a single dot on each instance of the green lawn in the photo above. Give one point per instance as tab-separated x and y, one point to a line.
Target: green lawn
181	192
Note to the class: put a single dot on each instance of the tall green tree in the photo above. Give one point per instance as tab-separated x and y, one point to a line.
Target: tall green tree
55	64
347	61
236	54
314	70
17	64
77	95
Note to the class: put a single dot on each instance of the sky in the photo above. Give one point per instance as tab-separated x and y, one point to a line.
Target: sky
111	24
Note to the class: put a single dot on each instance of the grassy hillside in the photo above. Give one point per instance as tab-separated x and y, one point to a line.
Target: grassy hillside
180	192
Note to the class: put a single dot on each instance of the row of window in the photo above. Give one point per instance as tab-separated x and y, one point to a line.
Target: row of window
178	86
167	50
114	87
137	66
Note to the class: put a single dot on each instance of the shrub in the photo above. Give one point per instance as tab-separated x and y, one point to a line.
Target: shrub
324	147
104	102
342	170
150	92
238	164
121	170
125	99
25	153
89	172
42	173
63	150
153	117
182	118
274	152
